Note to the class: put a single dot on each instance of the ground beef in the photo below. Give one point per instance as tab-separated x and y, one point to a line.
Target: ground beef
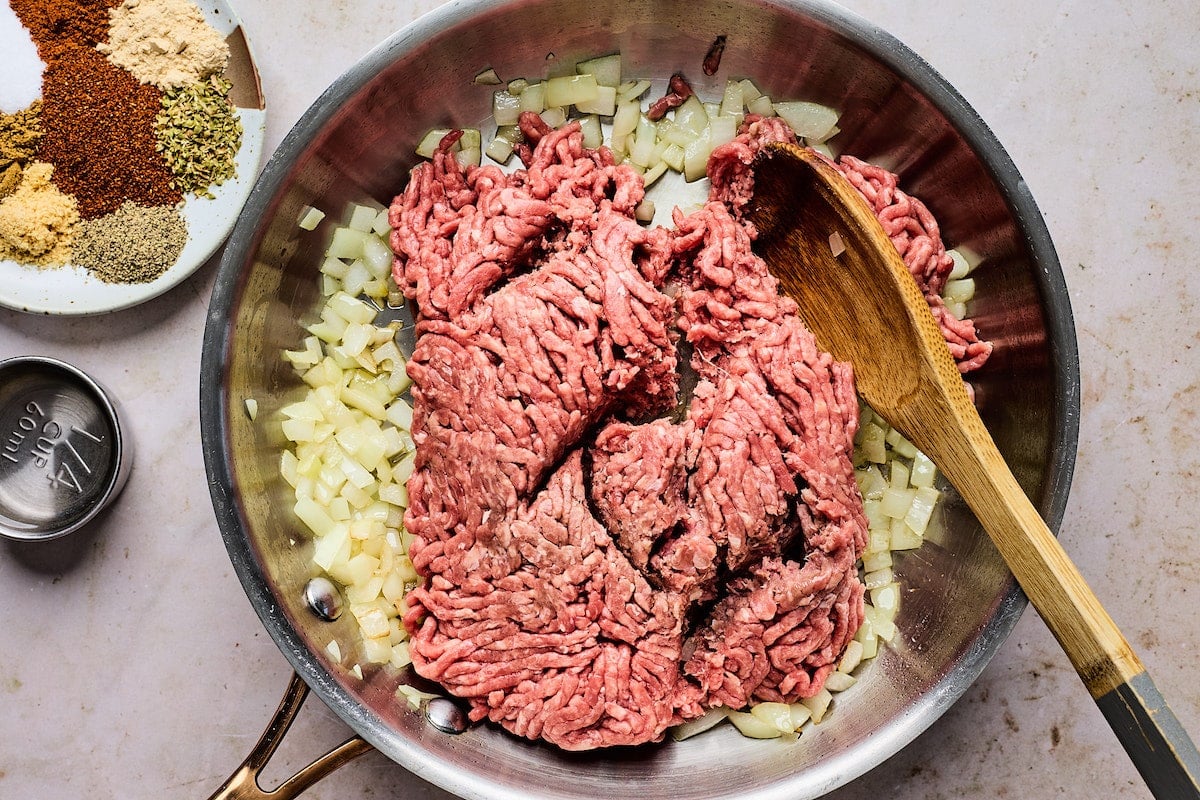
639	482
601	557
549	630
905	219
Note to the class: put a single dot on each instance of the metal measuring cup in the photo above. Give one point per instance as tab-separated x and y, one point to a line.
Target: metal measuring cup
63	458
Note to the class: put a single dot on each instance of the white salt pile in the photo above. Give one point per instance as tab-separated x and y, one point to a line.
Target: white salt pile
21	78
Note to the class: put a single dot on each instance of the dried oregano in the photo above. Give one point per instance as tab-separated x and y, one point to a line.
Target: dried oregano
199	134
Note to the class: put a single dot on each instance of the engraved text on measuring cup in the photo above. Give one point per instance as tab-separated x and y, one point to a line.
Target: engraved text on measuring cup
36	436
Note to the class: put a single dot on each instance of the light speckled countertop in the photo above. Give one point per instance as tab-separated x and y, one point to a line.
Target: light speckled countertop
132	666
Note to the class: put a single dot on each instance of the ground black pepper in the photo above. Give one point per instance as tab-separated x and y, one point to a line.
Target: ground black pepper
132	245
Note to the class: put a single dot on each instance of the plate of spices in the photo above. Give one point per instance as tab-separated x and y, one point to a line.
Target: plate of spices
130	134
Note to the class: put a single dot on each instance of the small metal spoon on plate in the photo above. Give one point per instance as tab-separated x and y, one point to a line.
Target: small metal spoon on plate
864	307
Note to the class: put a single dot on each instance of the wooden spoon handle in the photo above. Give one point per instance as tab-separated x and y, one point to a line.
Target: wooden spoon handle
1155	741
864	307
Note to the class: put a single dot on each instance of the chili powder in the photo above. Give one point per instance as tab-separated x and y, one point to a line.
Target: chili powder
97	119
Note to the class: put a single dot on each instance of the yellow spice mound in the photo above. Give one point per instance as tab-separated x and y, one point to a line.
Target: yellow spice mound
37	221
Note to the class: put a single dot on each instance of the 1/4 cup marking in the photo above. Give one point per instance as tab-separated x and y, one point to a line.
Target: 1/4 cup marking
49	434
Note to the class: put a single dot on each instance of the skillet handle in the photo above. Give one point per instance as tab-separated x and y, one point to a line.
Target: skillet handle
243	783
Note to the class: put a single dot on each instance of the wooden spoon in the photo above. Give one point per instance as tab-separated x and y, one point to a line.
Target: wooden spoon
864	307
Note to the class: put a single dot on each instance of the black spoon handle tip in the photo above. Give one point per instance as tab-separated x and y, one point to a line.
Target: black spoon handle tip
1157	744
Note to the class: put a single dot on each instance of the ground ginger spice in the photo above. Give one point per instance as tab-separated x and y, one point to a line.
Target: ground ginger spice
37	221
166	43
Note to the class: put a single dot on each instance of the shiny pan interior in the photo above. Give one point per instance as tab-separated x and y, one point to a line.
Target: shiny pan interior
357	142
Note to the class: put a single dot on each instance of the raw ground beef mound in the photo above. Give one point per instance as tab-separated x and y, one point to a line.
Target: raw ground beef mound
599	561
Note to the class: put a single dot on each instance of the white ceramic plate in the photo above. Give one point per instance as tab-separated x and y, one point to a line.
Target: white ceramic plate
73	290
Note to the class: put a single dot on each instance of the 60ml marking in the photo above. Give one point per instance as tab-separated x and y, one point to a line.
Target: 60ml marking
47	435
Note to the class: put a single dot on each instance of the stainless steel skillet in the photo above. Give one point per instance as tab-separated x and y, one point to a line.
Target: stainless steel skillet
357	142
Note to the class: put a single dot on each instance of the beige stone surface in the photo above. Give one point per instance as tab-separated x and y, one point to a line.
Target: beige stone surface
132	666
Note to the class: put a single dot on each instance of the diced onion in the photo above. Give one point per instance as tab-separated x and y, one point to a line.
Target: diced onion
811	121
851	658
352	450
750	92
554	116
605	69
959	290
429	143
310	218
569	90
604	104
731	101
818	704
712	718
487	77
691	116
777	715
413	695
362	218
632	90
533	98
762	106
800	715
924	500
836	245
896	502
752	726
961	268
840	681
506	107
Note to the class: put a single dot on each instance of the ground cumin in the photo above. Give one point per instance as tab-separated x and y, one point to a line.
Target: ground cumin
19	136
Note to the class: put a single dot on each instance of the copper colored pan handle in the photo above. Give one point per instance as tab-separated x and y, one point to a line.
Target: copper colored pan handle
243	783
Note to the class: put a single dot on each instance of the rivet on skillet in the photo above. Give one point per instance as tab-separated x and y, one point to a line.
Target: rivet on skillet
446	716
323	598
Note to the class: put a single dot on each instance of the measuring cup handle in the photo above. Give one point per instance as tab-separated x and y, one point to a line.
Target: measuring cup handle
243	783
